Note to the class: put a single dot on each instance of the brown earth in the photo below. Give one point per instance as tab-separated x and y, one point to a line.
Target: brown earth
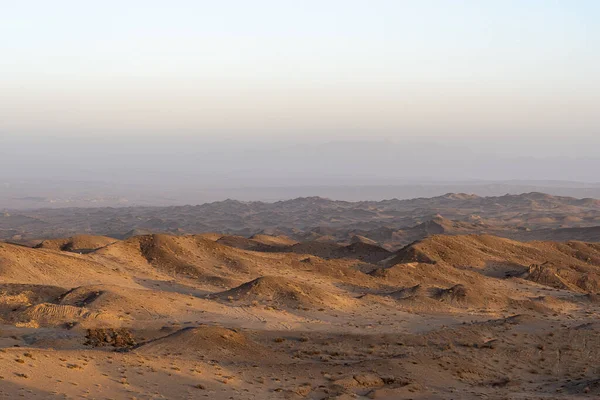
224	316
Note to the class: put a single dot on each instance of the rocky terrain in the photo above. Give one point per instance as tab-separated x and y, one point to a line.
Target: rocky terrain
391	223
220	316
337	309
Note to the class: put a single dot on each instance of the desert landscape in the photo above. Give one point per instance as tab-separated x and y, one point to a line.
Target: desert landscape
392	223
453	297
299	200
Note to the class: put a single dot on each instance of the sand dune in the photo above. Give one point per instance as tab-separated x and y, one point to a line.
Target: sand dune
281	292
77	244
210	343
266	317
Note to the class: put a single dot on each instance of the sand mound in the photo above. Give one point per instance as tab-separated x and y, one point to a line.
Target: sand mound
77	244
214	264
18	295
428	275
51	306
280	292
410	293
274	241
82	296
551	275
136	232
577	279
39	266
573	265
54	315
319	249
481	250
127	303
455	296
212	236
209	343
542	304
465	251
358	250
243	243
363	251
438	225
363	239
192	256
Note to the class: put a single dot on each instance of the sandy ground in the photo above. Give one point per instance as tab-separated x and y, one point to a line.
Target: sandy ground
186	317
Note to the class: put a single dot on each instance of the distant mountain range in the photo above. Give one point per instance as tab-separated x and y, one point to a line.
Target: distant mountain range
390	223
44	193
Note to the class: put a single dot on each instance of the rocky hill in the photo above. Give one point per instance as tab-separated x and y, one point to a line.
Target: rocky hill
390	223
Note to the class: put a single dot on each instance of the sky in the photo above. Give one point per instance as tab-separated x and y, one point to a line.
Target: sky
142	80
300	68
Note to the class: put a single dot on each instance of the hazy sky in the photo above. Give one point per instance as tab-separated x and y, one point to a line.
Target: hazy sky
302	70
